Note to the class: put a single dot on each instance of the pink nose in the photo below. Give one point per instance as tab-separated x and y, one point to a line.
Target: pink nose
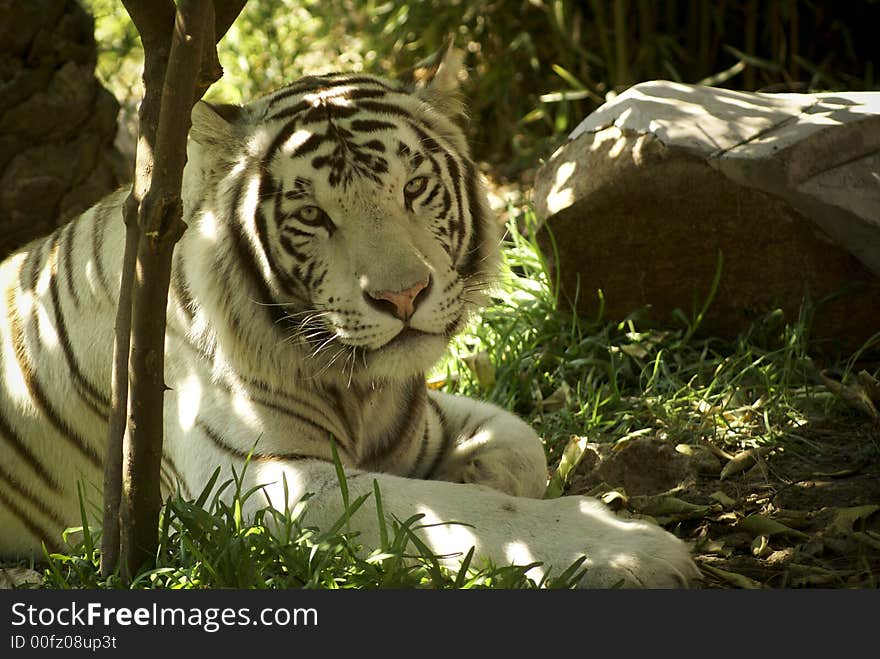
400	304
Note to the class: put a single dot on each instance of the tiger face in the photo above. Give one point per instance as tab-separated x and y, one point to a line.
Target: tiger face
363	218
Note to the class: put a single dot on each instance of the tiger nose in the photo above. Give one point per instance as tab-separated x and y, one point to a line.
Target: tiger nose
400	304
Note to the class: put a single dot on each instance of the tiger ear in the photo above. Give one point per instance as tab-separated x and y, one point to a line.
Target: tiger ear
216	125
436	79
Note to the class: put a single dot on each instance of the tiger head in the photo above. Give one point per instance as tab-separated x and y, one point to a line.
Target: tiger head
349	211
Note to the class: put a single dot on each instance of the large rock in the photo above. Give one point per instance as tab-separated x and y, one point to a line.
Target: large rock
57	123
658	187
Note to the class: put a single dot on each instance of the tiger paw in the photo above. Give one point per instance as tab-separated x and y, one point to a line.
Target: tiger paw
618	552
516	473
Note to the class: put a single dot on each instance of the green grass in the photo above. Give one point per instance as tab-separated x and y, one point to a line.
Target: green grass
611	381
205	543
606	381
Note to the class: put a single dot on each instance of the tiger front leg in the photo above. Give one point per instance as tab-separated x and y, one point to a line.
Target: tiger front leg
489	446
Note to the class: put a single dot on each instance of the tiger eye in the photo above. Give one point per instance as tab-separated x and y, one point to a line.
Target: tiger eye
416	186
310	213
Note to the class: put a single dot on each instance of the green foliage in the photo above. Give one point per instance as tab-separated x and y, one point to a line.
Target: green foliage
207	543
536	67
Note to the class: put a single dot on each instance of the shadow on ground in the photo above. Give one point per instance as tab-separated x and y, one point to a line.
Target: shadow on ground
804	514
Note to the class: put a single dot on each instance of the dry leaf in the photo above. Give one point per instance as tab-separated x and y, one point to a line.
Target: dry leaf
761	546
853	394
556	401
613	496
483	369
796	519
845	519
870	385
19	577
439	381
867	538
667	508
743	460
759	525
738	580
571	457
723	499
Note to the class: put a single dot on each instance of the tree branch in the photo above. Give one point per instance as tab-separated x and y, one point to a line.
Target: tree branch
180	63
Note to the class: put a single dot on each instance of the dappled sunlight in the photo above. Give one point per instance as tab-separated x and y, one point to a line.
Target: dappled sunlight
189	398
245	410
702	118
91	272
249	207
48	333
477	440
208	226
444	532
518	553
296	140
593	509
562	194
281	487
335	96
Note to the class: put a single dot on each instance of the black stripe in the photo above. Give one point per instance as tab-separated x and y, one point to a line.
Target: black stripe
352	436
35	529
289	112
32	265
35	389
99	225
291	249
326	82
327	111
311	144
13	484
423	449
169	463
444	211
474	254
374	145
300	403
371	125
459	223
448	438
165	479
283	135
301	86
180	289
219	442
245	261
409	416
433	193
89	393
268	189
357	94
24	452
380	107
67	262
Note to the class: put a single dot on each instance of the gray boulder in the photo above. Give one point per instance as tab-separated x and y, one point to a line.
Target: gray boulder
667	182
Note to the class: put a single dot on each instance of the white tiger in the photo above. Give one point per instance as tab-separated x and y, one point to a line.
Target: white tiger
338	237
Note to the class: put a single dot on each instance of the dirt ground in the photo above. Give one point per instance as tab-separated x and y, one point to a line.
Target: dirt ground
806	514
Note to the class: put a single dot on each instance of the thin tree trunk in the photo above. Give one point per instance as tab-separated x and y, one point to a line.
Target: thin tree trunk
180	64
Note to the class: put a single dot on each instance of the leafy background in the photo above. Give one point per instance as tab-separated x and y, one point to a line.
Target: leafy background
536	67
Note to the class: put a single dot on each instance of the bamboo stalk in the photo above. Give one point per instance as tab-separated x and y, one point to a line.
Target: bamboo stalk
621	38
749	76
